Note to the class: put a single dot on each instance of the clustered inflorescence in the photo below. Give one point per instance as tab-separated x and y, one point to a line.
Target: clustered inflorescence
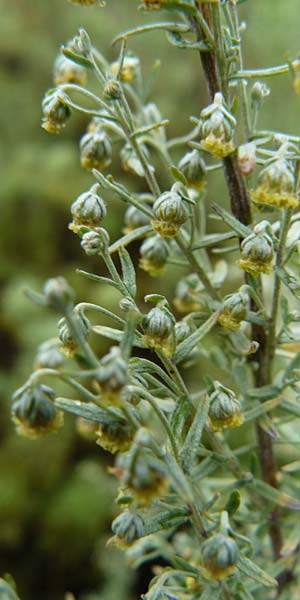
181	475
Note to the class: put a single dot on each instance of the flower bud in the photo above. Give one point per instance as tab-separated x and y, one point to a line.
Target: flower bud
56	111
88	209
59	295
34	413
170	213
115	435
66	71
130	162
95	150
247	158
257	253
49	356
217	127
112	377
130	68
182	331
158	329
224	409
154	255
194	169
134	218
69	344
259	92
220	554
187	294
233	311
112	90
141	474
128	527
276	185
95	241
80	44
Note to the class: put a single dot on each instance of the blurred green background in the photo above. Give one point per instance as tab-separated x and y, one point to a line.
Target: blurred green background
55	494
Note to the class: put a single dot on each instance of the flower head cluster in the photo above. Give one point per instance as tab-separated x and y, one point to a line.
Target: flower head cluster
225	408
154	255
159	329
56	111
170	213
217	127
276	185
233	310
34	412
257	252
220	554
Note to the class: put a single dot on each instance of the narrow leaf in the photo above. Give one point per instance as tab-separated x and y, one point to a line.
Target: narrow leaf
97	278
178	176
276	496
248	567
213	239
232	222
193	438
185	348
79	60
136	234
128	271
86	410
114	334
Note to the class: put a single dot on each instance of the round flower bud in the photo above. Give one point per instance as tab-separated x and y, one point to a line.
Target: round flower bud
49	356
259	92
158	328
59	295
154	255
134	218
187	294
112	90
233	311
115	435
130	162
182	331
276	186
95	242
130	68
220	554
170	213
142	475
224	409
194	169
34	413
257	253
217	127
128	527
95	150
88	209
112	377
69	344
66	71
247	158
56	111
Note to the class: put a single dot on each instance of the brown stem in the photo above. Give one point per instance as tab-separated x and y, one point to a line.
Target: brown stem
240	207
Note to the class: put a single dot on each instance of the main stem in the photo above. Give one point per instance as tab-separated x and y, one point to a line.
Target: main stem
240	207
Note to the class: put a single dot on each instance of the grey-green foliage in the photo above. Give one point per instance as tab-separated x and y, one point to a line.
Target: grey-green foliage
162	462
